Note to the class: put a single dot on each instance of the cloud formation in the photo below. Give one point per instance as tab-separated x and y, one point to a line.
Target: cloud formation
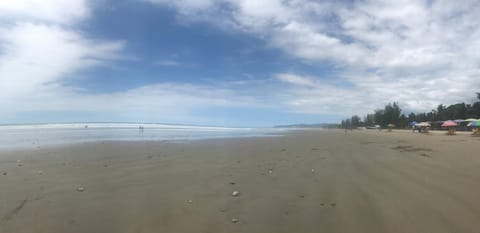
42	49
421	53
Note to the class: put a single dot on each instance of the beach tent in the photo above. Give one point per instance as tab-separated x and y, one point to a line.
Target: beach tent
390	126
471	119
459	121
423	127
449	124
413	123
423	124
451	127
474	125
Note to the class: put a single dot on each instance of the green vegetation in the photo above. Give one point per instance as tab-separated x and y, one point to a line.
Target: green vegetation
392	114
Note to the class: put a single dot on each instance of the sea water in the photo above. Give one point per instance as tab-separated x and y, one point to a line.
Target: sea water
51	134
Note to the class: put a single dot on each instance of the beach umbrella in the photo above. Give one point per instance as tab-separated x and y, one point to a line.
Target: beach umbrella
423	124
449	124
471	119
413	123
391	125
459	120
474	124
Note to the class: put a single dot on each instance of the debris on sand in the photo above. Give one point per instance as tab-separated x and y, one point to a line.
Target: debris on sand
313	170
190	201
270	171
232	183
410	148
4	173
236	193
234	220
80	189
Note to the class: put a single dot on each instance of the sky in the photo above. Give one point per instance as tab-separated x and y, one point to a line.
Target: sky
233	62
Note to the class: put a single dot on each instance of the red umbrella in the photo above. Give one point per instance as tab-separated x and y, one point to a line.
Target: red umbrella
449	124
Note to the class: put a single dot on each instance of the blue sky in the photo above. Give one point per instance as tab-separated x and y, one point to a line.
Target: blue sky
232	63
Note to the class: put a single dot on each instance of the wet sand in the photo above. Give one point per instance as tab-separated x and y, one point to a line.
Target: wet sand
308	181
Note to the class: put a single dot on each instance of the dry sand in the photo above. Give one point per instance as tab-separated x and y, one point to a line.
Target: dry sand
309	181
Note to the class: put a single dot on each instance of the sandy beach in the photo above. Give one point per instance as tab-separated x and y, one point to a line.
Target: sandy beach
305	181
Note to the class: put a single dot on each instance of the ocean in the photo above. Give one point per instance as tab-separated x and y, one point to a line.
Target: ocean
34	135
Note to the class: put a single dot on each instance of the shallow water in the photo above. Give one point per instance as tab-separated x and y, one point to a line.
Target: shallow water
51	134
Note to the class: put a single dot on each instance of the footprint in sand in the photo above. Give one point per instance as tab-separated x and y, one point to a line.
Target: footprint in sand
331	204
15	211
425	155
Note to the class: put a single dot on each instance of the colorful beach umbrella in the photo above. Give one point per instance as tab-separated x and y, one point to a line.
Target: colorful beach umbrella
474	124
423	124
471	119
459	120
449	124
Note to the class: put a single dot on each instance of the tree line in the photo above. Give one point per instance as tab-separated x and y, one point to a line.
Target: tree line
392	114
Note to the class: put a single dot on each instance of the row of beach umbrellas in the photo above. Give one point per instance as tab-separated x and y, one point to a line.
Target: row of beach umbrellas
472	123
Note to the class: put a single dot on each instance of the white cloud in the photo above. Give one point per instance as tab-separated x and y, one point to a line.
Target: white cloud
36	55
53	11
421	53
40	49
296	79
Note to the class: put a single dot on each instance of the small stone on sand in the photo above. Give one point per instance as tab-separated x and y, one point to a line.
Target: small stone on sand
190	201
313	170
235	193
4	173
234	220
270	171
80	189
20	164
